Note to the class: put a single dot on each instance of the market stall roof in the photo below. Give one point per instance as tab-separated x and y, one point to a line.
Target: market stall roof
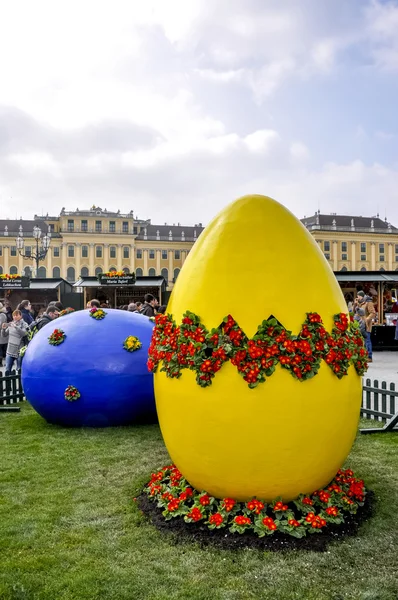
385	276
139	282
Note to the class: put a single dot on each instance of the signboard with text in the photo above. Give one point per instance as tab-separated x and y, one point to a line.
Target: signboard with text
127	279
14	282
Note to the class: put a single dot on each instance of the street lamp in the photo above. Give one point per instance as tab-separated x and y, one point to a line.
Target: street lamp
42	245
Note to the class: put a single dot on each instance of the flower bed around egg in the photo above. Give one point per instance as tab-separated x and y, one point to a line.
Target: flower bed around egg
332	511
192	346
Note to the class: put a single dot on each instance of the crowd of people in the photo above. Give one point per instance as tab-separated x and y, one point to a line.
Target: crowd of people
19	326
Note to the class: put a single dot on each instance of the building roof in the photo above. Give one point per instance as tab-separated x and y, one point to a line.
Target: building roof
357	276
27	227
170	233
335	222
145	281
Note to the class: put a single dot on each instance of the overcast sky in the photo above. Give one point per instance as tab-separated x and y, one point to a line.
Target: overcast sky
173	108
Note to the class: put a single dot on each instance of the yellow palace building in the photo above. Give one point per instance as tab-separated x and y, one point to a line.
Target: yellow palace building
88	242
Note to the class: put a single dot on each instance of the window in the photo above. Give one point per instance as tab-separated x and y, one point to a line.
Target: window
381	269
381	257
343	269
112	252
344	257
98	270
326	246
13	271
176	274
113	269
363	269
84	251
363	256
151	272
396	258
344	246
51	228
126	252
84	272
28	272
125	227
42	272
70	274
327	255
164	273
139	253
177	254
84	225
164	254
13	252
112	226
135	230
56	272
126	270
71	251
363	247
138	272
151	253
381	248
396	248
71	225
1	250
56	251
28	250
98	251
98	226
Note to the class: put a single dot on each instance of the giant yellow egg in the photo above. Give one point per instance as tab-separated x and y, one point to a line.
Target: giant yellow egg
286	436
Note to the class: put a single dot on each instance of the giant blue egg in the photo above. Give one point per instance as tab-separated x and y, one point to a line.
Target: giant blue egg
114	384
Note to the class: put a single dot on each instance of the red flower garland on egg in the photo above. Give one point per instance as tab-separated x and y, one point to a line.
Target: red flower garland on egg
192	346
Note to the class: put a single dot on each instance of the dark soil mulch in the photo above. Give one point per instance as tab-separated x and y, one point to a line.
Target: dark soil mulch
222	538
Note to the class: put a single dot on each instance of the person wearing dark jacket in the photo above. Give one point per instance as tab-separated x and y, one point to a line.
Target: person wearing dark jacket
148	308
25	307
51	313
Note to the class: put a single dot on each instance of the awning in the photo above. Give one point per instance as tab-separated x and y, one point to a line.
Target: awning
44	284
366	277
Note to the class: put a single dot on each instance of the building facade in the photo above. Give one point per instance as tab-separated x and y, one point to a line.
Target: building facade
87	242
352	243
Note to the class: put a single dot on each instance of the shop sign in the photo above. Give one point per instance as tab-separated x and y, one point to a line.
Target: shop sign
125	279
14	282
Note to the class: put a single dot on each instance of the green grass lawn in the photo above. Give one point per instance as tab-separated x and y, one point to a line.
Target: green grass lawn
69	528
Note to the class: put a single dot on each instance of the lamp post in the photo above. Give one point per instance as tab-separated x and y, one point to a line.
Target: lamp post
42	245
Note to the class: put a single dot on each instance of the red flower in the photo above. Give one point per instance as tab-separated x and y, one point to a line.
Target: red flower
270	523
228	504
204	500
242	521
173	505
333	511
280	506
308	501
293	523
195	514
216	519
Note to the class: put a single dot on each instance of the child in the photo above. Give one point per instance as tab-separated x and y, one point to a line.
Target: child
360	318
15	331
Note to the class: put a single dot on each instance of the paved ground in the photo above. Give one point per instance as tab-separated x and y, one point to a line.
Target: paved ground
383	368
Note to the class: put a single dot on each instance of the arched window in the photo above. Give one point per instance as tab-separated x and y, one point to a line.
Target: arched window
138	272
112	269
151	272
56	272
13	270
42	272
164	273
176	274
363	269
343	269
98	270
28	272
70	274
84	272
126	270
381	269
